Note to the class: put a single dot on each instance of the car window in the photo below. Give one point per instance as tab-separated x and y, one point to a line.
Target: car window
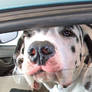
6	37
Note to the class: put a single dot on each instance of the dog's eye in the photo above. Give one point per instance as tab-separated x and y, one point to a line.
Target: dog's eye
67	32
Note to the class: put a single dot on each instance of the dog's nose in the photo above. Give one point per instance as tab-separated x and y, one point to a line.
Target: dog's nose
40	51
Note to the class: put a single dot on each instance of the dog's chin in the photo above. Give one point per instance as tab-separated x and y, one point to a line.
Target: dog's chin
54	78
44	77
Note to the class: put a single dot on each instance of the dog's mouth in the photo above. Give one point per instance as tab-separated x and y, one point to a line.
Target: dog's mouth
54	78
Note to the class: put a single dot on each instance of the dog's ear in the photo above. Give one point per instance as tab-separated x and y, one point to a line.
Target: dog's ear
18	54
19	45
19	51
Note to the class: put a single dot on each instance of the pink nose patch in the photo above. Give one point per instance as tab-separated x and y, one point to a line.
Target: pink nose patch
52	65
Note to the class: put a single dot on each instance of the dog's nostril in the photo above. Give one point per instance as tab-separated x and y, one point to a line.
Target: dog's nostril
32	52
46	51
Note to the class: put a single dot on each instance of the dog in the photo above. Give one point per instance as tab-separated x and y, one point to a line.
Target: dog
57	57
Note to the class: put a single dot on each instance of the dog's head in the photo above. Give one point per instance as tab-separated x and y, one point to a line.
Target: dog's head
51	54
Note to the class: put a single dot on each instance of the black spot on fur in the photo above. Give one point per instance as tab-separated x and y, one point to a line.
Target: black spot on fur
23	51
80	56
86	61
75	62
76	66
87	85
77	39
73	49
28	34
88	43
19	63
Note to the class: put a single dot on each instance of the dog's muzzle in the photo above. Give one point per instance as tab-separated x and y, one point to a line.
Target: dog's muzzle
40	51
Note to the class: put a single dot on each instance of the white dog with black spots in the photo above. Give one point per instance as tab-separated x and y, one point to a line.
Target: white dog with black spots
57	57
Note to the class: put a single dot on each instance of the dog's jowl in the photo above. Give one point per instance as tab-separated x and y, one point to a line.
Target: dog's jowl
53	55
